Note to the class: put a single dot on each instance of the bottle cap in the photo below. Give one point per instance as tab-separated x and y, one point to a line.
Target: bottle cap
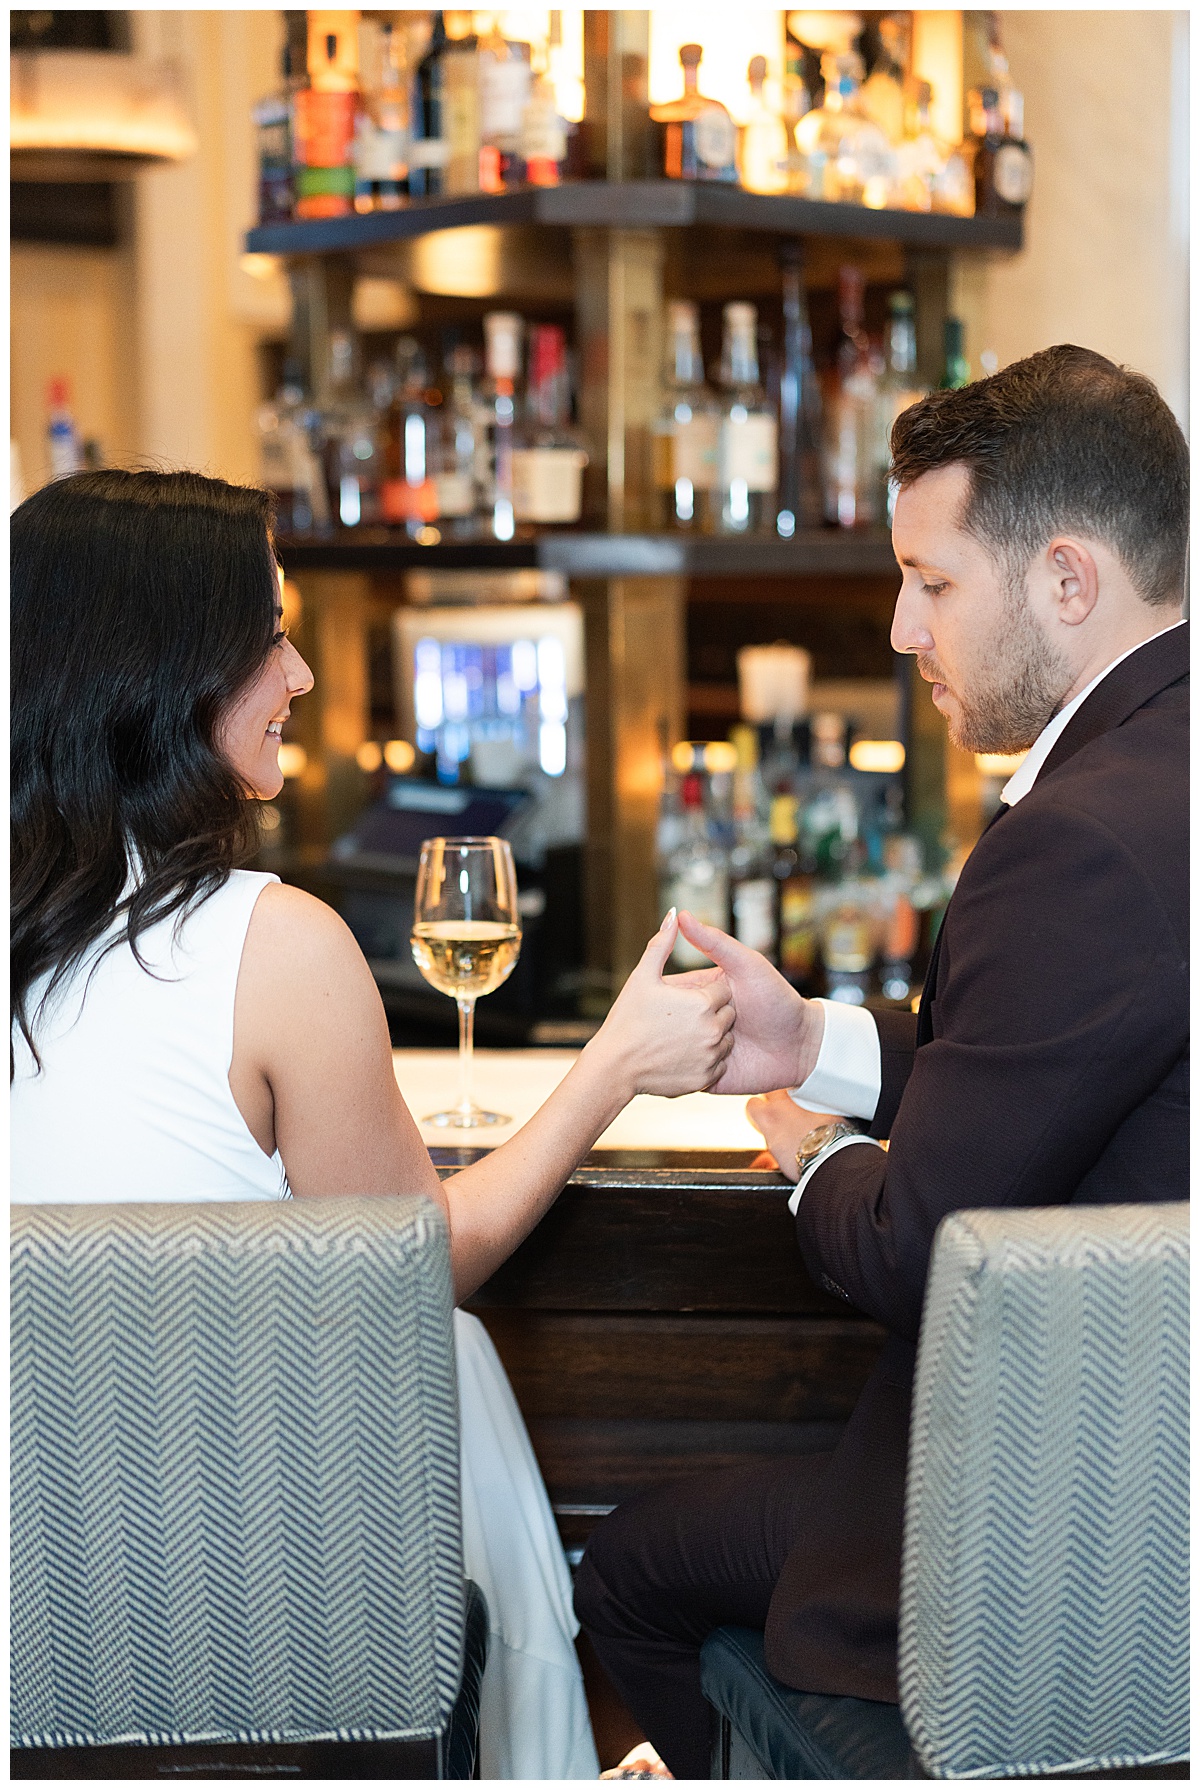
900	304
757	70
691	55
682	314
58	393
740	316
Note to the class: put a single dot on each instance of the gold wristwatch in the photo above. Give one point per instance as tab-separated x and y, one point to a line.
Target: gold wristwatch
819	1140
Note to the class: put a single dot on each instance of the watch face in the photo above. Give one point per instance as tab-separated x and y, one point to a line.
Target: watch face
816	1141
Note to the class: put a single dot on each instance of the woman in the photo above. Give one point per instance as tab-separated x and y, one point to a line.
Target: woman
183	1029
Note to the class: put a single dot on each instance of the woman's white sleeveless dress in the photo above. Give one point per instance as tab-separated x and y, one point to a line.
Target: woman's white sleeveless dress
133	1103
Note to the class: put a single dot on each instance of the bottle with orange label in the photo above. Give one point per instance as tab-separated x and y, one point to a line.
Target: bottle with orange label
698	138
324	118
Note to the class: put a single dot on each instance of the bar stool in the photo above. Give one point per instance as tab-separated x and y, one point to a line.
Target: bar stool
1044	1592
236	1534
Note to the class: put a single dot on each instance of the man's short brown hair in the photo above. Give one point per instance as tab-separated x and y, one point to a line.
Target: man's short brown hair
1064	441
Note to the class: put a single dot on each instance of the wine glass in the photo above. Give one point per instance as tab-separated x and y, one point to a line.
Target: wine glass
465	940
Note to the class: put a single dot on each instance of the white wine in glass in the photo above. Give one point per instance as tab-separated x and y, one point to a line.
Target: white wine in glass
465	940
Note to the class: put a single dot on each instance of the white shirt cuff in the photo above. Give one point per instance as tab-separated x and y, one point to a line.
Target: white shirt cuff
843	1143
849	1069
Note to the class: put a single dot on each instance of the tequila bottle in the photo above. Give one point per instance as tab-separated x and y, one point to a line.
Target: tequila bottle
847	157
698	138
686	430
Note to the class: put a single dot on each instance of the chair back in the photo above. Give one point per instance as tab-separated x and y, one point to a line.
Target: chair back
235	1473
1044	1597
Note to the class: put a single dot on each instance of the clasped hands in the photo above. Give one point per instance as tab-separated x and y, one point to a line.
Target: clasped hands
737	1028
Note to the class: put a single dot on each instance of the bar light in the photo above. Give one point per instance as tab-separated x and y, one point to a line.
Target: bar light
877	755
93	115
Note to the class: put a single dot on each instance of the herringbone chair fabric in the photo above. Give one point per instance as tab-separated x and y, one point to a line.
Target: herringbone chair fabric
235	1501
1044	1601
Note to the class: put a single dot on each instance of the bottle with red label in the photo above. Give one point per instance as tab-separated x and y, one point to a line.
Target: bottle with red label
505	87
324	115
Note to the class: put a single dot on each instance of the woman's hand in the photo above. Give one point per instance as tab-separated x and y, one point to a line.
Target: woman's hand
785	1126
666	1034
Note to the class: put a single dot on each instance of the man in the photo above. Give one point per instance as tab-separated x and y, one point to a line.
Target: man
1041	526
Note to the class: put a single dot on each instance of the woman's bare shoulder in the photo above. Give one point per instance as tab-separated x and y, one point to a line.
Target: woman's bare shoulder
300	947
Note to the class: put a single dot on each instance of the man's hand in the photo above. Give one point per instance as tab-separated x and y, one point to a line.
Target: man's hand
777	1033
785	1126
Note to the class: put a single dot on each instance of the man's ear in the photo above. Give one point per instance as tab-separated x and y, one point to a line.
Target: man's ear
1072	580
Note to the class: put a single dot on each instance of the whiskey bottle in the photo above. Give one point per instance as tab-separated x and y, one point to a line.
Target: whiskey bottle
697	137
899	387
686	430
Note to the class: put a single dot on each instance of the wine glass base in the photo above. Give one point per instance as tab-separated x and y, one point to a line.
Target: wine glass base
469	1119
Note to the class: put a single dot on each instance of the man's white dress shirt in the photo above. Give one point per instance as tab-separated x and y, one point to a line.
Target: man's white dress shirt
848	1073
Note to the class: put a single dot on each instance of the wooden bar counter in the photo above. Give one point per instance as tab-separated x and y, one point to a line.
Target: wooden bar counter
659	1321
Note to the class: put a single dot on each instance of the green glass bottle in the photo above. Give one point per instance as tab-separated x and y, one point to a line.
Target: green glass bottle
956	371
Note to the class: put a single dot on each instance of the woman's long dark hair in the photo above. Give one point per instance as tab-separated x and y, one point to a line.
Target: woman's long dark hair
142	604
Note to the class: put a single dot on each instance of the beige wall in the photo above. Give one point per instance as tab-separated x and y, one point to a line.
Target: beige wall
158	337
1106	256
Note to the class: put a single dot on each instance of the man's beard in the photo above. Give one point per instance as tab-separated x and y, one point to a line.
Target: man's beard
1018	689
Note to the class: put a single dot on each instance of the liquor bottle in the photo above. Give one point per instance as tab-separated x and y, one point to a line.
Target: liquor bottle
848	935
548	460
751	885
899	386
408	494
882	94
462	103
1003	164
697	876
797	101
505	83
502	364
931	175
763	144
454	465
64	449
381	136
747	448
544	135
323	118
851	484
829	821
429	150
901	931
686	430
795	895
290	459
847	157
800	419
697	137
956	370
272	118
350	446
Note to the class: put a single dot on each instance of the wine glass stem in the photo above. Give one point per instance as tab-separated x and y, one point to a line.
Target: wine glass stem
466	1049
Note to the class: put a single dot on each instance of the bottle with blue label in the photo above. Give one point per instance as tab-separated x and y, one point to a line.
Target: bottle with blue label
697	137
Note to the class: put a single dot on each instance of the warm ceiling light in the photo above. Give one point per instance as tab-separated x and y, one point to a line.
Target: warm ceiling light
683	756
106	115
462	263
399	756
998	764
877	755
720	755
369	756
292	759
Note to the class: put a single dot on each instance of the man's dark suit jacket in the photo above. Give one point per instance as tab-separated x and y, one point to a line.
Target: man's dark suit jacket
1048	1064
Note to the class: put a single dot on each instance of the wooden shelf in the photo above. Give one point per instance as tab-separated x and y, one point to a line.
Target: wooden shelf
637	204
600	555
